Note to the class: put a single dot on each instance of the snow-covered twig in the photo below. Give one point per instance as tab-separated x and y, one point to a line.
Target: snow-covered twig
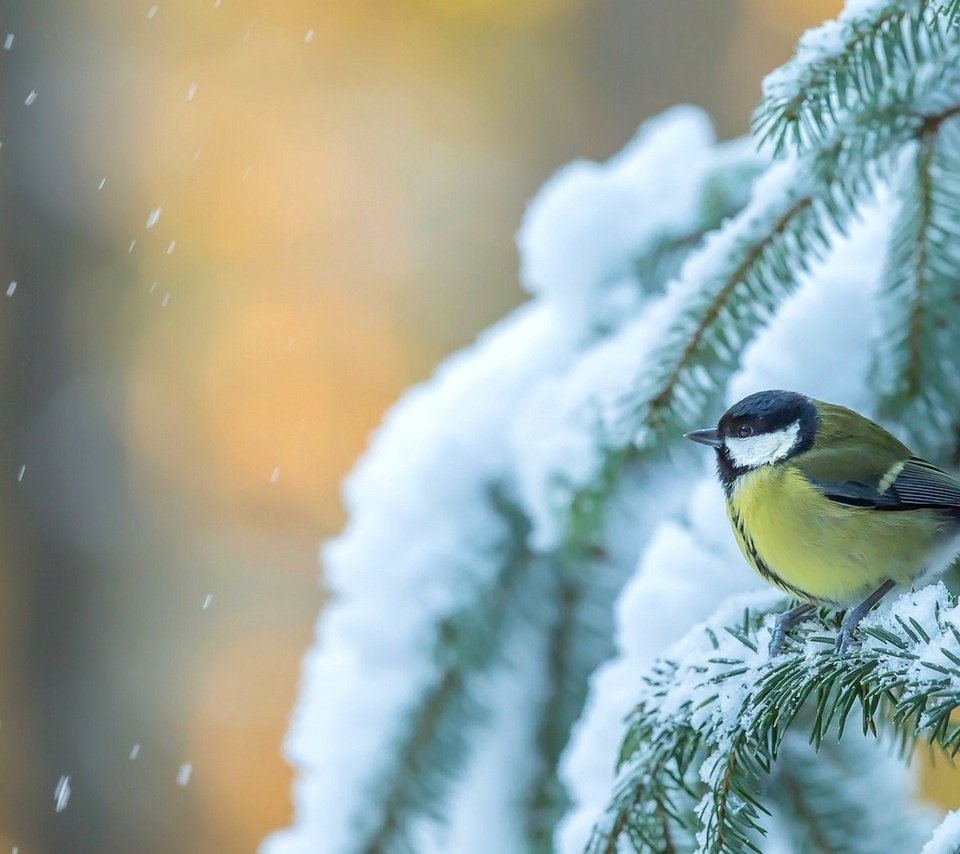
713	712
841	67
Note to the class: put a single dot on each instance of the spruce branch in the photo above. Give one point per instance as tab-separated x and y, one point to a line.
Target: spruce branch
734	284
917	364
842	68
718	691
433	748
580	640
588	580
883	82
725	192
434	739
702	346
820	808
566	689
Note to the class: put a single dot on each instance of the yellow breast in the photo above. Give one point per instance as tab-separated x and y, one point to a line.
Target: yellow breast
821	551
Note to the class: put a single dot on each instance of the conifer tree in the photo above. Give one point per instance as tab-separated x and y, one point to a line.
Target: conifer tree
492	627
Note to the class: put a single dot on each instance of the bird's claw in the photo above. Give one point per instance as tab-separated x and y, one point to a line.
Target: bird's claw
784	622
846	642
777	638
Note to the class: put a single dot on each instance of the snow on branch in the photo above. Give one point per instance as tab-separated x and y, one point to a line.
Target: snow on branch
688	567
842	67
663	371
588	568
645	385
528	469
817	801
713	712
598	238
629	393
946	838
917	374
423	576
426	575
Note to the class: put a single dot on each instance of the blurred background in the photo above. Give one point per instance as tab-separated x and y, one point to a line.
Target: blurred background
231	232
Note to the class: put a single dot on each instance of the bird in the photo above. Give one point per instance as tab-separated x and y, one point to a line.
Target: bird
830	507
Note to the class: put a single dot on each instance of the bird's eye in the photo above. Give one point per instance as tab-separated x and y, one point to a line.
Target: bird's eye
744	430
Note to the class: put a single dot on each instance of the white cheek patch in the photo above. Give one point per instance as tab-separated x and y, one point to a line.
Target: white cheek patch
766	448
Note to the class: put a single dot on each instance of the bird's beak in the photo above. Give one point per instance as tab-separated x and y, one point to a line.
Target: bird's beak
705	437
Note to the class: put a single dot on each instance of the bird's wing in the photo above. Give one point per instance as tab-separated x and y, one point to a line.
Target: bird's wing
911	484
922	484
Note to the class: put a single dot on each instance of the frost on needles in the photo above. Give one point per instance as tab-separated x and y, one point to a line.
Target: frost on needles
528	546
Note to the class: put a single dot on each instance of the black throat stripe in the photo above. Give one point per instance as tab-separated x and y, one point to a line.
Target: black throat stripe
763	568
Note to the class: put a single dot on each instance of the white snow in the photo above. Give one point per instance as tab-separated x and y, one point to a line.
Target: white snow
531	413
586	227
946	838
693	564
579	238
171	246
410	556
153	217
858	778
558	439
61	793
11	288
486	811
21	473
829	53
709	700
824	43
152	11
31	97
8	41
207	601
191	91
421	545
183	774
531	400
687	568
135	751
423	534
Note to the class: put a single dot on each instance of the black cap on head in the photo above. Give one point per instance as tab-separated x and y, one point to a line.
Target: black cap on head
760	413
771	410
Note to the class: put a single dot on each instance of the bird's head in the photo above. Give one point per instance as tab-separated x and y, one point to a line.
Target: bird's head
763	429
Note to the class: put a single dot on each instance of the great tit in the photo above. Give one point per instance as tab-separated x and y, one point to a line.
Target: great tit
828	506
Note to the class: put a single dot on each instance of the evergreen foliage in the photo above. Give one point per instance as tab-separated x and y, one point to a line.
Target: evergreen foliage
868	109
710	724
881	105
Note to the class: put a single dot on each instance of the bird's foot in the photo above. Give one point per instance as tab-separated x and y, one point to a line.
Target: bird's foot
777	638
785	621
846	642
